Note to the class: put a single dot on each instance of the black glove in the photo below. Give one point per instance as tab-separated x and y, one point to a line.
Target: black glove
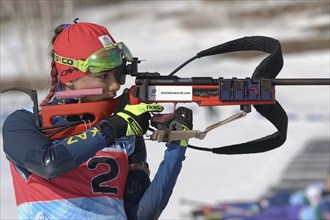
181	120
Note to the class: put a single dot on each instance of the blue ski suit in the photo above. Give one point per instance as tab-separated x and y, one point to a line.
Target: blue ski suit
79	177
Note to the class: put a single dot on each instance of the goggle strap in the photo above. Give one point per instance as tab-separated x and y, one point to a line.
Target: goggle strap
79	64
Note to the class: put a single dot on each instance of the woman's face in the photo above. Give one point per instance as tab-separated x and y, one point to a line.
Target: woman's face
105	80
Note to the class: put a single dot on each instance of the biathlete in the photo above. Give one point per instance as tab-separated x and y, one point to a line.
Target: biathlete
101	173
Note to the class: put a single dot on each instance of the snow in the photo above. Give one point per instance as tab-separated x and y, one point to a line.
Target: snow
153	32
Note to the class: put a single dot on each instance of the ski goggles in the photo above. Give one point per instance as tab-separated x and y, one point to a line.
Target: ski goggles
106	58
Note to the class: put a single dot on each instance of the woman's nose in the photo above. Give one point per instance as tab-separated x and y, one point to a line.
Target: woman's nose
113	84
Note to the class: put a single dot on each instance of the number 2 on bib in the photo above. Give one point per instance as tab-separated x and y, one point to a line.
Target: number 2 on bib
98	181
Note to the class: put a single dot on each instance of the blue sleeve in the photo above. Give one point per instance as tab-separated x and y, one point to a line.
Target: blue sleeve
28	148
158	193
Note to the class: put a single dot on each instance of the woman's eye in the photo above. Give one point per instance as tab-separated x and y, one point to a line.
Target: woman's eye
103	76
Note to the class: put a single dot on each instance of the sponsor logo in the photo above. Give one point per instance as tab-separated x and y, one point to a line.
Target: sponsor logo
105	40
63	60
134	126
169	93
67	71
175	93
154	107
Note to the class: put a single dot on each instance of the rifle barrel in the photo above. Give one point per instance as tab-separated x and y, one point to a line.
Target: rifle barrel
301	81
174	80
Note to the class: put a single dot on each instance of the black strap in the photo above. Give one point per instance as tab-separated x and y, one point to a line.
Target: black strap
269	69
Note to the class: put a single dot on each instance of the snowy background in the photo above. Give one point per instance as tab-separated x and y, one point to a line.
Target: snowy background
165	34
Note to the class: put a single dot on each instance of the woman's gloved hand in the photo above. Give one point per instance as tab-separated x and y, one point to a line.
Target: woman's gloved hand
132	120
182	119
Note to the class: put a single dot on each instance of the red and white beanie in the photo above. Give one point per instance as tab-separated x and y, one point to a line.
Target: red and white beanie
79	41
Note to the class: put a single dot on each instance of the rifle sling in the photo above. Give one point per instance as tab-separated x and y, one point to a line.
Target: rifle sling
268	69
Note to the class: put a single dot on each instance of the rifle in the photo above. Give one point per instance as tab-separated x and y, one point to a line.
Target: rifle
150	87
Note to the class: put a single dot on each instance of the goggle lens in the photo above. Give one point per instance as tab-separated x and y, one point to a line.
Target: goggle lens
108	58
105	60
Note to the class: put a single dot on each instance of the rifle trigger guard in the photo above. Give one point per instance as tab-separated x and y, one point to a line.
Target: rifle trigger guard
168	136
